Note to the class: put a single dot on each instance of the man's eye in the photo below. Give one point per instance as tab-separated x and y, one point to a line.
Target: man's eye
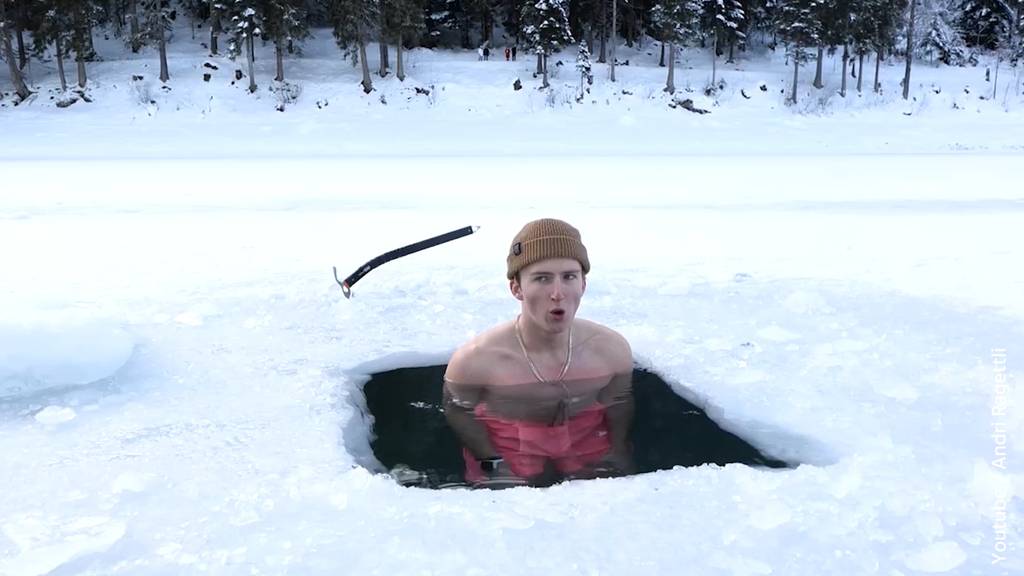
570	276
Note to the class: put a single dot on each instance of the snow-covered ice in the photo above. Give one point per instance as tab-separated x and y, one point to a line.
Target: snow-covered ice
205	369
180	375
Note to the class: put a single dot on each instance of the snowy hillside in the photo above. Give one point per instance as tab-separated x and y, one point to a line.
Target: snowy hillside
452	103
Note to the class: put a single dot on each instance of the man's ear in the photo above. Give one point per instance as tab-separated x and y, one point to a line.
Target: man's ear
516	289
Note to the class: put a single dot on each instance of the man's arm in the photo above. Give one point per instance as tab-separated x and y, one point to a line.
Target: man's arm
617	399
459	402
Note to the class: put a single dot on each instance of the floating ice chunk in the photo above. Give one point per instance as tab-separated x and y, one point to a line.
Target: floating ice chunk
38	357
52	415
937	557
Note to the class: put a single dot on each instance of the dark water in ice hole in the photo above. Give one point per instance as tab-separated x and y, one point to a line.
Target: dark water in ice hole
410	428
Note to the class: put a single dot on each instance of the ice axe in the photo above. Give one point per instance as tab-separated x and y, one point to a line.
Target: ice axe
346	286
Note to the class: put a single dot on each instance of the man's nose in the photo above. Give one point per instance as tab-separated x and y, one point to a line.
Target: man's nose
557	291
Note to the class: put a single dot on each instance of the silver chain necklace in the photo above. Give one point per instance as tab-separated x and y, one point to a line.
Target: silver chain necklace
533	367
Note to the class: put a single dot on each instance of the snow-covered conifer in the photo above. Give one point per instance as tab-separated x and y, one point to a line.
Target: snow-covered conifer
546	28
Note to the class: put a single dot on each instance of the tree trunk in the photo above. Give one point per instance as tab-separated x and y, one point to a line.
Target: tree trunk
670	84
382	70
732	51
540	64
590	37
279	52
545	62
796	71
367	83
82	78
604	33
60	65
133	25
250	54
878	62
214	28
995	80
398	60
117	7
614	35
714	56
165	75
22	56
910	50
661	62
846	61
12	65
90	48
860	66
817	74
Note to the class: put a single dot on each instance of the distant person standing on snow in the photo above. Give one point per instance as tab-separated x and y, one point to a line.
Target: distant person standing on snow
487	53
508	53
548	396
480	53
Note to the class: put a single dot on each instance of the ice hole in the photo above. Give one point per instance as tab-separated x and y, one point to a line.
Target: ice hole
411	437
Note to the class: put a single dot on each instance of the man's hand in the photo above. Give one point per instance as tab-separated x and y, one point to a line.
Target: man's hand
620	459
617	462
502	477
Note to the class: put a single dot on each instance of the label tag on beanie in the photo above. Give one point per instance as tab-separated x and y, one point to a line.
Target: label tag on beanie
517	248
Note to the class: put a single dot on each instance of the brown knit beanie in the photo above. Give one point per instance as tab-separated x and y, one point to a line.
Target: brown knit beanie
543	239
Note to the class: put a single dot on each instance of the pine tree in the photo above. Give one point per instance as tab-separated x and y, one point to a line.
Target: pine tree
8	52
157	18
723	23
353	20
54	29
799	28
245	25
940	39
284	22
583	67
546	28
862	29
82	15
984	22
678	21
885	27
401	19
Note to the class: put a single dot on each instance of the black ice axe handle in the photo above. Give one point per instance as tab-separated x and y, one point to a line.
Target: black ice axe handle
346	286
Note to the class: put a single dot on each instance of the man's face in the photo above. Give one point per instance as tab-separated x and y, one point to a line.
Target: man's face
550	291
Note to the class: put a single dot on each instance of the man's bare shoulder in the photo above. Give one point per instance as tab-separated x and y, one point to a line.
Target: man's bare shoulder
475	361
609	343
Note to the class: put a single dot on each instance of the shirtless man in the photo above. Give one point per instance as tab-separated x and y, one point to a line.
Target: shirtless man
546	396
